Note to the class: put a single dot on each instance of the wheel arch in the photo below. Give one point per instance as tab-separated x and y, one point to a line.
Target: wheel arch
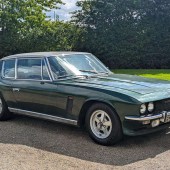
87	104
1	94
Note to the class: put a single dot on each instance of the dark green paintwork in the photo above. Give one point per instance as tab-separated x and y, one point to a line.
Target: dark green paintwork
124	93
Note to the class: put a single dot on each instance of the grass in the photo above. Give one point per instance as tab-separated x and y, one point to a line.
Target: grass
163	74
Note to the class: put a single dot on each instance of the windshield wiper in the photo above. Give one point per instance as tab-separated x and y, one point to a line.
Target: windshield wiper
73	76
100	74
93	71
89	71
103	73
64	76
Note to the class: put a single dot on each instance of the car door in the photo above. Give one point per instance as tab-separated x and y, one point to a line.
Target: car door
35	91
36	94
29	88
59	101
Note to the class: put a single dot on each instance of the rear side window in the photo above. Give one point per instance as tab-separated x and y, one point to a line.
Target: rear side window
9	68
29	69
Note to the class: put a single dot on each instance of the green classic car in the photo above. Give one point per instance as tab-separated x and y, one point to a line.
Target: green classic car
77	89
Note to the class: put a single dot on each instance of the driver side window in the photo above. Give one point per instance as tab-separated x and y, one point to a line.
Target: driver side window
29	69
32	69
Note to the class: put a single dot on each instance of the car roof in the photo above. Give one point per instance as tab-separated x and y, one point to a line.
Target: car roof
43	54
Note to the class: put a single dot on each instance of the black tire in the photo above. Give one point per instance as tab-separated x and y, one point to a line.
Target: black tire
116	128
4	112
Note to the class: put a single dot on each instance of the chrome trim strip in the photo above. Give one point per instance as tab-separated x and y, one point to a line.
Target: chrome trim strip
49	67
28	80
45	61
43	116
41	69
15	89
16	63
144	118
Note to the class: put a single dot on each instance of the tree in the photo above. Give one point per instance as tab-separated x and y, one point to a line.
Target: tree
126	33
18	18
52	36
154	33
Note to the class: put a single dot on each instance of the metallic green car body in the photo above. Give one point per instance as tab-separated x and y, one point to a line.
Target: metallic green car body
70	98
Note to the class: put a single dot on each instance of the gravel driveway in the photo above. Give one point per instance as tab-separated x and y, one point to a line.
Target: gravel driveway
28	143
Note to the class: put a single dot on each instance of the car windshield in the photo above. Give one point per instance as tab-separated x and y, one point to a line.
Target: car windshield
76	65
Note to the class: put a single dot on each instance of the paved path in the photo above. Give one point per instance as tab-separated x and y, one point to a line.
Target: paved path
31	144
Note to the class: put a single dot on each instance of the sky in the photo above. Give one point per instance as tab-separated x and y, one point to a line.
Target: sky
63	13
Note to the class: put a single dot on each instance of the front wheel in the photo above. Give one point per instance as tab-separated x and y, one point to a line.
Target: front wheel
103	124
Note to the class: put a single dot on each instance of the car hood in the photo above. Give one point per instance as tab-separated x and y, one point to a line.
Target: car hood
135	86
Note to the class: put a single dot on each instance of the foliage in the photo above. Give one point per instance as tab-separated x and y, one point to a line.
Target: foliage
51	36
126	33
122	33
163	74
24	27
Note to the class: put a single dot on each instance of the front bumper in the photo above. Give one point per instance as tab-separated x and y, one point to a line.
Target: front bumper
163	117
139	125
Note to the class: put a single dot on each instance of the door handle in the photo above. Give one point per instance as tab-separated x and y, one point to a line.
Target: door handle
16	89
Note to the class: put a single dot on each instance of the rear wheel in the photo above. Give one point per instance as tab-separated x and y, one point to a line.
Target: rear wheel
4	112
103	124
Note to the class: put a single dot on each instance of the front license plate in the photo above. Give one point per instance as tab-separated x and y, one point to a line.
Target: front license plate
167	117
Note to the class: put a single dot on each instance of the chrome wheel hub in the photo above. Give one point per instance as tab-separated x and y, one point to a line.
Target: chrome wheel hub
100	124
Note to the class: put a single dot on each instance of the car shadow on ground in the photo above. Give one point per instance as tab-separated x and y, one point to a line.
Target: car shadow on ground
74	142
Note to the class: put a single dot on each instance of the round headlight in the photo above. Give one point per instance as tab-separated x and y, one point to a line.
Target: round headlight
142	108
150	106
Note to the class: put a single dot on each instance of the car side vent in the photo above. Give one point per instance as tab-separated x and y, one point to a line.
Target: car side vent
69	105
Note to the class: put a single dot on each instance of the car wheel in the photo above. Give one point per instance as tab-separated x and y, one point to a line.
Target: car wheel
4	112
103	124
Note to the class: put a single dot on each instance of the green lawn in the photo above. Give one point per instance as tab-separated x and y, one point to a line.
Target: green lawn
151	73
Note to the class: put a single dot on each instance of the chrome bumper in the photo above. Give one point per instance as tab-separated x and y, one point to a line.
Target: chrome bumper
163	116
